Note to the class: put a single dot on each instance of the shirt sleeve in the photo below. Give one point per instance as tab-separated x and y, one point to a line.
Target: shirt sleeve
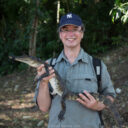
36	92
106	82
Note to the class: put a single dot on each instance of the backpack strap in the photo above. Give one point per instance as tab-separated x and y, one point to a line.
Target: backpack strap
53	62
98	68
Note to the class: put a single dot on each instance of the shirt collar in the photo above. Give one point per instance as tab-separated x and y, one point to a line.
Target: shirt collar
82	56
60	57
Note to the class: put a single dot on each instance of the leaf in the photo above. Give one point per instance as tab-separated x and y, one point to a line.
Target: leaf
117	16
124	19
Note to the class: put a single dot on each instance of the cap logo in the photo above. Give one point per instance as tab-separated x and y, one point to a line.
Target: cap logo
69	16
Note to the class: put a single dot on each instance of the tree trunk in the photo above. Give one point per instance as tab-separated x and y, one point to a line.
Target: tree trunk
67	4
33	33
58	11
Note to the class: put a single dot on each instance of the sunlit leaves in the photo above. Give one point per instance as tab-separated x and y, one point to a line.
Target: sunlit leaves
120	11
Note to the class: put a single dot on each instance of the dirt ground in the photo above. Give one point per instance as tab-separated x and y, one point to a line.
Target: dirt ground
18	110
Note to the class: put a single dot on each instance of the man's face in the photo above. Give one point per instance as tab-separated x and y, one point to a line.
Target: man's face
71	36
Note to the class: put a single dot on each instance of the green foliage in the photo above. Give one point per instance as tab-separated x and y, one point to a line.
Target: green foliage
16	18
120	11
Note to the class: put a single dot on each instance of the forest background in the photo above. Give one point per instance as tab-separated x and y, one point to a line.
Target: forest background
30	27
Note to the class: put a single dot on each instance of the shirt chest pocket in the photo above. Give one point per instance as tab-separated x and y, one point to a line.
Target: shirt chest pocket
80	82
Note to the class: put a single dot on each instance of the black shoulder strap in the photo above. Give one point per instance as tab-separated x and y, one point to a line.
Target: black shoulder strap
97	67
53	62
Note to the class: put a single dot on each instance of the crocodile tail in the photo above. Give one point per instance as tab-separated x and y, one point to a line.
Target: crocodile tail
62	112
113	109
63	104
116	115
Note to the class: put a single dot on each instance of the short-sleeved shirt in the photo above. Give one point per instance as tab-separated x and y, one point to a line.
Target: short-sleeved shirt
78	76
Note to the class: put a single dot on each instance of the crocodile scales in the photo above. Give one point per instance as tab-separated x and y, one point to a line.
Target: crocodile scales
58	88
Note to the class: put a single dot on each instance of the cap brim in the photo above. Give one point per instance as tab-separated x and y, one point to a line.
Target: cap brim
68	24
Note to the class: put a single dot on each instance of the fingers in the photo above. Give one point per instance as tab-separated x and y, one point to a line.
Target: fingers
86	97
83	97
48	77
90	102
41	70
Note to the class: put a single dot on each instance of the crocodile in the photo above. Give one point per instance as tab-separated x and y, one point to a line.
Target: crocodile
59	88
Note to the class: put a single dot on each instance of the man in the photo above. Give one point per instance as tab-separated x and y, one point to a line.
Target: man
75	67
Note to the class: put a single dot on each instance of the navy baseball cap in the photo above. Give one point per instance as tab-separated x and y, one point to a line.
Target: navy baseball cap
70	19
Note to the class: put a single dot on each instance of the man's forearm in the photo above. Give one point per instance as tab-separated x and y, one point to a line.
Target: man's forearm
43	98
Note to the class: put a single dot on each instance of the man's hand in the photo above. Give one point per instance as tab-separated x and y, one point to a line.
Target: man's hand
90	102
41	70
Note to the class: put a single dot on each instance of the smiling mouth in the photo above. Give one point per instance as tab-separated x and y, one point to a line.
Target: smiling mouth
70	39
